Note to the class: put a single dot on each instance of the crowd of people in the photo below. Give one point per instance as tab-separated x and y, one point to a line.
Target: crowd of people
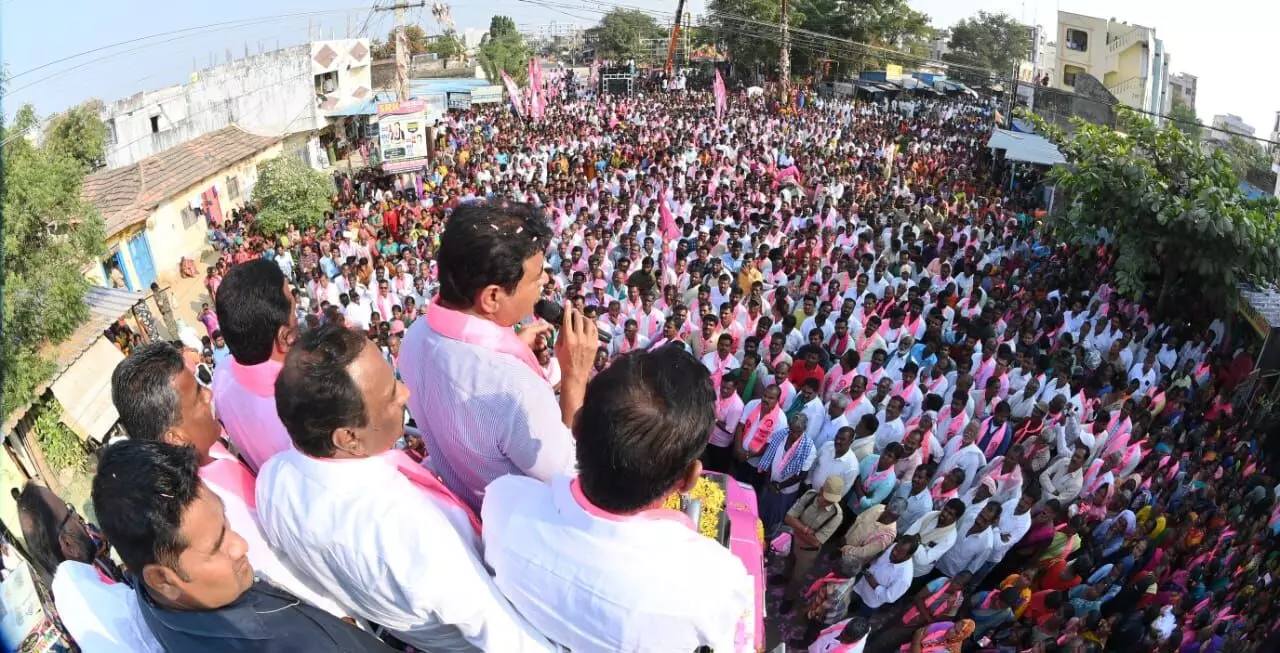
960	435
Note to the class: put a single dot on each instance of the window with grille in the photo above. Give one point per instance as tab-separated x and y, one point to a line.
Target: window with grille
233	187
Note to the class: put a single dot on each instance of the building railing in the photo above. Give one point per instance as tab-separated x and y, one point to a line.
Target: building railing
1131	91
1122	43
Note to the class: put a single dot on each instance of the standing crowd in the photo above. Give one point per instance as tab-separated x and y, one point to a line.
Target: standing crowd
960	435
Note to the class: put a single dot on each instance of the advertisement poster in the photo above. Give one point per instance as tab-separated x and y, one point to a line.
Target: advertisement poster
402	134
486	94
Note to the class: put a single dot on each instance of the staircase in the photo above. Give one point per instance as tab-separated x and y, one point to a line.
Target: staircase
1131	91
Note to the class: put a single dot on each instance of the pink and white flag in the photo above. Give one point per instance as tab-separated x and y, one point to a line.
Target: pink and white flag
721	96
514	92
667	221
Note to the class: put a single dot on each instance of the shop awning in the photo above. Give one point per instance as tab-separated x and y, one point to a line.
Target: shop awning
1027	148
366	108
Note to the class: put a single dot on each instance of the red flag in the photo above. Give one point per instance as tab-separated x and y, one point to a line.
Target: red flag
514	92
667	221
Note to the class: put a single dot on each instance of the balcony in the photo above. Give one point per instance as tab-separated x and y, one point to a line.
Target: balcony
1132	92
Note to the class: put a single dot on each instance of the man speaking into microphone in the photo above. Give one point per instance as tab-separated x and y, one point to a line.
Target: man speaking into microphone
477	391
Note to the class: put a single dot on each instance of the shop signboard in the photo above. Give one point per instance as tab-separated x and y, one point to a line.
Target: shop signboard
486	94
402	134
460	101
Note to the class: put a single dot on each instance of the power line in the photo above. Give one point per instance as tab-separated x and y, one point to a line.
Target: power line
40	123
232	23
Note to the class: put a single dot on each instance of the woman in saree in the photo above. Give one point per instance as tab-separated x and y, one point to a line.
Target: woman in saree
940	637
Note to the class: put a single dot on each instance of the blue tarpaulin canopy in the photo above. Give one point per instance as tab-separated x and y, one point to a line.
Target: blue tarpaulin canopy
1028	148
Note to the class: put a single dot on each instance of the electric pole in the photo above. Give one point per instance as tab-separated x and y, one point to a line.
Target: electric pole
784	57
402	47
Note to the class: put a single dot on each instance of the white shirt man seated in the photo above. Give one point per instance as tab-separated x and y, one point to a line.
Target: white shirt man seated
595	562
372	528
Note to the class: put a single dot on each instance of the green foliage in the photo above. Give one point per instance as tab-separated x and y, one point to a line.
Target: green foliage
500	26
885	23
447	45
1183	118
289	192
994	41
62	448
619	32
503	48
57	235
80	134
1246	157
1176	213
748	42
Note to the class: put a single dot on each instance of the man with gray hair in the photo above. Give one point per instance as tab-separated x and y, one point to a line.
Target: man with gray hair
833	420
786	462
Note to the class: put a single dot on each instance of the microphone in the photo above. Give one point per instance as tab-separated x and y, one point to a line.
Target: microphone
554	314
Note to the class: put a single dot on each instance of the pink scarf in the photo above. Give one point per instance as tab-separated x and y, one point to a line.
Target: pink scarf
430	484
764	428
457	325
722	366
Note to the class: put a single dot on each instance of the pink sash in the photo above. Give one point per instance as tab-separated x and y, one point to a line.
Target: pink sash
878	475
761	434
232	476
841	382
932	384
654	514
428	483
722	366
457	325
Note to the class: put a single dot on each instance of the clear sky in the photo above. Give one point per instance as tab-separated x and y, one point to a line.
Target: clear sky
1228	44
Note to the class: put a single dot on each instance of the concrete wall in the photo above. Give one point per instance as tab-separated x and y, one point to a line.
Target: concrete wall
170	240
272	94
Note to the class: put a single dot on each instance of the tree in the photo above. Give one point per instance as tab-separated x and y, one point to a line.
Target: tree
1247	159
619	34
51	235
80	134
994	41
289	192
503	48
1176	214
446	46
1183	118
738	25
747	28
500	26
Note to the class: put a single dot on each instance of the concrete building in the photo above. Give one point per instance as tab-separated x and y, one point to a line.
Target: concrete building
1224	125
284	93
155	210
1041	52
1128	59
1182	86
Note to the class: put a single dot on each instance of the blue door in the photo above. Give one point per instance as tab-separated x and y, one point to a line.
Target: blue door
143	267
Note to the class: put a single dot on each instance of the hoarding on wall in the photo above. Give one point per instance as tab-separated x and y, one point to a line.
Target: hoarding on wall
460	101
892	73
435	105
402	134
486	94
21	613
